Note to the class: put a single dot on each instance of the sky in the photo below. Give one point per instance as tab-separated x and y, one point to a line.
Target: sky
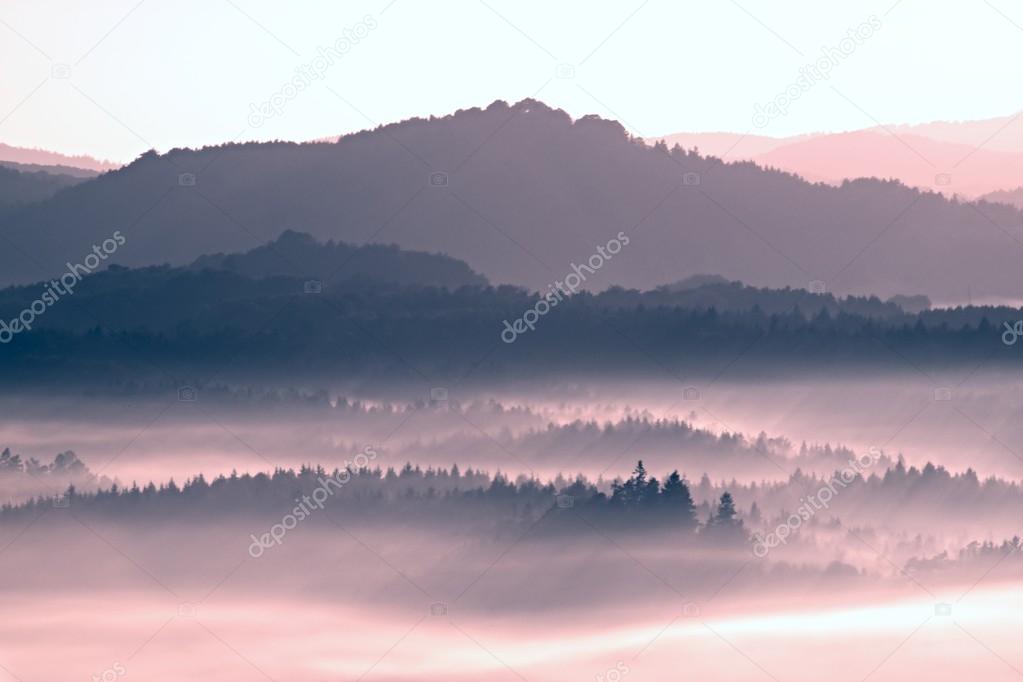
115	78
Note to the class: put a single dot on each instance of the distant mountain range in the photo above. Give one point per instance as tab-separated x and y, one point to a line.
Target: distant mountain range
1012	197
74	172
964	158
525	195
1000	134
41	157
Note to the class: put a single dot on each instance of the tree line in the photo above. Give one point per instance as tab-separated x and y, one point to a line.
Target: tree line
414	492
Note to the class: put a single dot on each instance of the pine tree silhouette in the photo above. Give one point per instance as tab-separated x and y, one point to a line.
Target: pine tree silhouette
678	501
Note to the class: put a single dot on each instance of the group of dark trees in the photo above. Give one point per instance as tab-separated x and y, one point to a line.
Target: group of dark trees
64	464
642	502
413	493
23	477
897	498
877	495
985	551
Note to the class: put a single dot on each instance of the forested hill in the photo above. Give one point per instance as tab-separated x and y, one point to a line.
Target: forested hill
375	311
520	192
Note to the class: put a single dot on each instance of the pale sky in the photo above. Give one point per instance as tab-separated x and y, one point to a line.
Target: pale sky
113	78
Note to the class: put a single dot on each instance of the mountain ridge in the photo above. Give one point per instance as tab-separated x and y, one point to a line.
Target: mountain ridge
522	193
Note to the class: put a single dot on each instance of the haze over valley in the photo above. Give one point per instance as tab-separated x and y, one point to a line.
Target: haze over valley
389	341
